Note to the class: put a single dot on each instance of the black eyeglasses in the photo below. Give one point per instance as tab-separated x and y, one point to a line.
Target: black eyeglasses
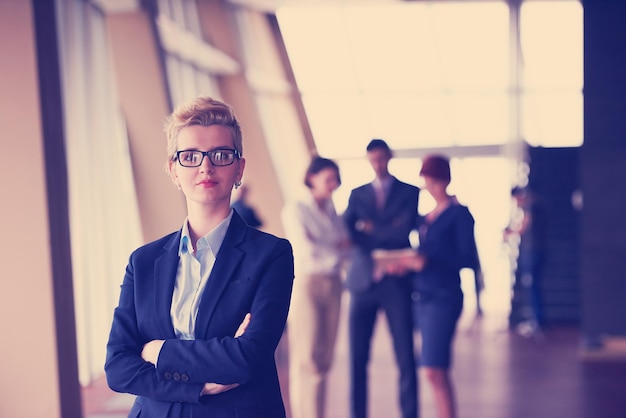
218	157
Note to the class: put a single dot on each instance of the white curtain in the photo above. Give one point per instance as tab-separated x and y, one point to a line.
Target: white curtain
104	216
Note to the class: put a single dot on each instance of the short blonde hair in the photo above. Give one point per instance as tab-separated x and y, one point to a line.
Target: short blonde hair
202	111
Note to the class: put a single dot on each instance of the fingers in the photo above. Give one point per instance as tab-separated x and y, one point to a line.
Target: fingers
243	326
151	350
216	388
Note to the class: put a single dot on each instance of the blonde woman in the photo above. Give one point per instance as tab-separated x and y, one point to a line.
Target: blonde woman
202	309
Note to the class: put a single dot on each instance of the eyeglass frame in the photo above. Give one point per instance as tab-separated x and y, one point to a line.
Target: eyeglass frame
208	154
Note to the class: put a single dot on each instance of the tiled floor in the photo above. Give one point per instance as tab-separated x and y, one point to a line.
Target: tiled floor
498	374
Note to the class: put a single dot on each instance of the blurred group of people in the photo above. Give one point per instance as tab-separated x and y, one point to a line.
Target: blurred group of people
202	309
418	289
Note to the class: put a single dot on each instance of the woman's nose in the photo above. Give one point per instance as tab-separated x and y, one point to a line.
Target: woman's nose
206	166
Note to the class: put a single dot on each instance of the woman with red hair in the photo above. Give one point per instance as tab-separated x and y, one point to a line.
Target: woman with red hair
446	246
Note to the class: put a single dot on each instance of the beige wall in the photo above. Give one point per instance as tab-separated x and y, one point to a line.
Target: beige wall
28	358
28	353
141	90
260	175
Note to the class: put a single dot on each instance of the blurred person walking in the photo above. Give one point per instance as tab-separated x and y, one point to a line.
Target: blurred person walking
529	228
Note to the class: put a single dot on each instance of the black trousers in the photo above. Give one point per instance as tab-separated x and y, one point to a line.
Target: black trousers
393	296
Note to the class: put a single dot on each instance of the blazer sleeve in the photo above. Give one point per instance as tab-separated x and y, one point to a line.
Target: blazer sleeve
184	366
458	249
390	229
358	211
228	360
126	371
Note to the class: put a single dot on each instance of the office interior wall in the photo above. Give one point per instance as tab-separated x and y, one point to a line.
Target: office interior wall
603	173
145	104
28	353
104	218
219	26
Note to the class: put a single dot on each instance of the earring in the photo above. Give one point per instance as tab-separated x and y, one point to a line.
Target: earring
237	184
178	186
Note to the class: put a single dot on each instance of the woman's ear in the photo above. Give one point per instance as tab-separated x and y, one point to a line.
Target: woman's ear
171	169
242	166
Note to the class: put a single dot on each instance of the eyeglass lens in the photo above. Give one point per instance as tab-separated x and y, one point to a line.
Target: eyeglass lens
194	158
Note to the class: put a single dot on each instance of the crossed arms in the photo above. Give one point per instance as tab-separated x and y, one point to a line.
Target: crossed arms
151	349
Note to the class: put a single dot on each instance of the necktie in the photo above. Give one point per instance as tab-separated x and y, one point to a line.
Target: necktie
380	196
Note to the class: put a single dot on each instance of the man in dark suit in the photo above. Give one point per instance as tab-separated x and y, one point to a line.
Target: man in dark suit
380	215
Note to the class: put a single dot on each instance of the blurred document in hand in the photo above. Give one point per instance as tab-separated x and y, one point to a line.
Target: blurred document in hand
384	260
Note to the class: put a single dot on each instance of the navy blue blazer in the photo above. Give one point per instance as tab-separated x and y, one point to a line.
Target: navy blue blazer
253	273
391	227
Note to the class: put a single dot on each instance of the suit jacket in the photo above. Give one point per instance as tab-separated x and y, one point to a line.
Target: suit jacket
391	227
253	272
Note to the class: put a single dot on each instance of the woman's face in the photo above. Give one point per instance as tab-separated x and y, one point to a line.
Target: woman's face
206	184
324	183
434	186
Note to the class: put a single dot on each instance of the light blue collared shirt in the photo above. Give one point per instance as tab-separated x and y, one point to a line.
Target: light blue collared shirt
192	275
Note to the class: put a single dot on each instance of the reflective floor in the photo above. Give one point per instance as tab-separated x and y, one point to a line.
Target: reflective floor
498	373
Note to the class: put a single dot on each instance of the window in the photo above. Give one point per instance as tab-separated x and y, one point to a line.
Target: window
552	73
424	75
474	80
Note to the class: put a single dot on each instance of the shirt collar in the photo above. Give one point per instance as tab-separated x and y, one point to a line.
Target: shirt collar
213	239
328	205
385	183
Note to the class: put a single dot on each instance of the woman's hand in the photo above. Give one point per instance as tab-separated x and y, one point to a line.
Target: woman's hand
243	326
413	262
151	350
216	388
397	268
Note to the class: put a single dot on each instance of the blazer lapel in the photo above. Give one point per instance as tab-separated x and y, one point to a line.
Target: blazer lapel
228	259
393	196
370	199
165	269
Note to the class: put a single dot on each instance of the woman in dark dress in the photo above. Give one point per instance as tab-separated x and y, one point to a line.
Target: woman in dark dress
446	246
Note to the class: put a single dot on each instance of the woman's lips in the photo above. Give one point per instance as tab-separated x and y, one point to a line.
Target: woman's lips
207	183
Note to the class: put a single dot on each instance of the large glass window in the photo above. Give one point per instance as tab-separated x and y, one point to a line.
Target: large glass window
552	72
419	75
191	63
473	80
425	75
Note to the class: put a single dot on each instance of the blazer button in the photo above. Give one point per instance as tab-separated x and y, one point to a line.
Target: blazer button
176	376
184	377
167	376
